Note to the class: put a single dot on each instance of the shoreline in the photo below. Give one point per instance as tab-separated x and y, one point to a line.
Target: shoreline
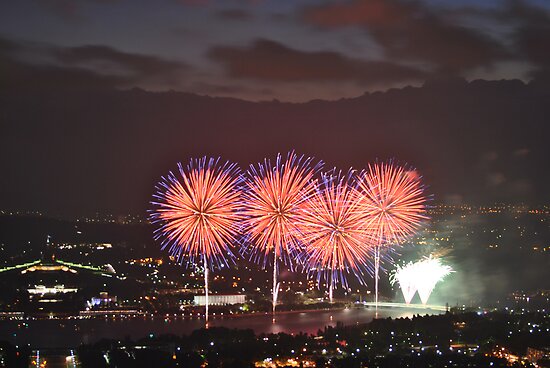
53	333
138	315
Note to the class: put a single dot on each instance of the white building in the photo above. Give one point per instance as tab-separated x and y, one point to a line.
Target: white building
219	299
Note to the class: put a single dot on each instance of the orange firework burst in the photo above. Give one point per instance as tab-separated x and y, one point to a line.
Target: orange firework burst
393	197
272	200
197	213
332	227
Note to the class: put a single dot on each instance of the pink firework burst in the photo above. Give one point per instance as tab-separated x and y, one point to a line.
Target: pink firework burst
197	213
393	197
273	197
332	227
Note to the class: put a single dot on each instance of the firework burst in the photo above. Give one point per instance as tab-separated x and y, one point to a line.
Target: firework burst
393	197
331	227
421	276
273	196
405	276
430	271
197	213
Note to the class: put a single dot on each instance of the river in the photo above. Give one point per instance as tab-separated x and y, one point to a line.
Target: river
71	333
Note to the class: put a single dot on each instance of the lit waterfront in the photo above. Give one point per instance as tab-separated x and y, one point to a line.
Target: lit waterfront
71	333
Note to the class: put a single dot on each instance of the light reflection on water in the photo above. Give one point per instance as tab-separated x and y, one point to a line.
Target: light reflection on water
70	333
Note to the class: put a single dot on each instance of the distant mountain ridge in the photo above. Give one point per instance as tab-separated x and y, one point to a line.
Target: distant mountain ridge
85	149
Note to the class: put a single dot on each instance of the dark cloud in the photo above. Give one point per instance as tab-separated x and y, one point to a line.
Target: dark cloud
7	46
279	17
17	75
521	152
532	35
269	60
193	2
529	31
107	60
209	88
506	171
411	31
234	14
68	9
495	179
20	74
226	89
488	157
38	65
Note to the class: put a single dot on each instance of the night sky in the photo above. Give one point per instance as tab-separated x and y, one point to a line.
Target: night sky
99	98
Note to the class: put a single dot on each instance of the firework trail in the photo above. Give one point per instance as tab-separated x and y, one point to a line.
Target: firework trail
331	227
197	213
273	196
393	197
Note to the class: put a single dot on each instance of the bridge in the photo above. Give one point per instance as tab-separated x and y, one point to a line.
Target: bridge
406	306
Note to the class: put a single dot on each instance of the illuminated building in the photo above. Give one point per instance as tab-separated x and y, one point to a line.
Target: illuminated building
50	285
220	299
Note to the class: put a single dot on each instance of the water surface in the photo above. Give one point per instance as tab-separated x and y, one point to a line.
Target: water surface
71	333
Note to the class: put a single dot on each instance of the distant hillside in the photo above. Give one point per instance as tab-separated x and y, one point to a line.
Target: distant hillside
72	151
